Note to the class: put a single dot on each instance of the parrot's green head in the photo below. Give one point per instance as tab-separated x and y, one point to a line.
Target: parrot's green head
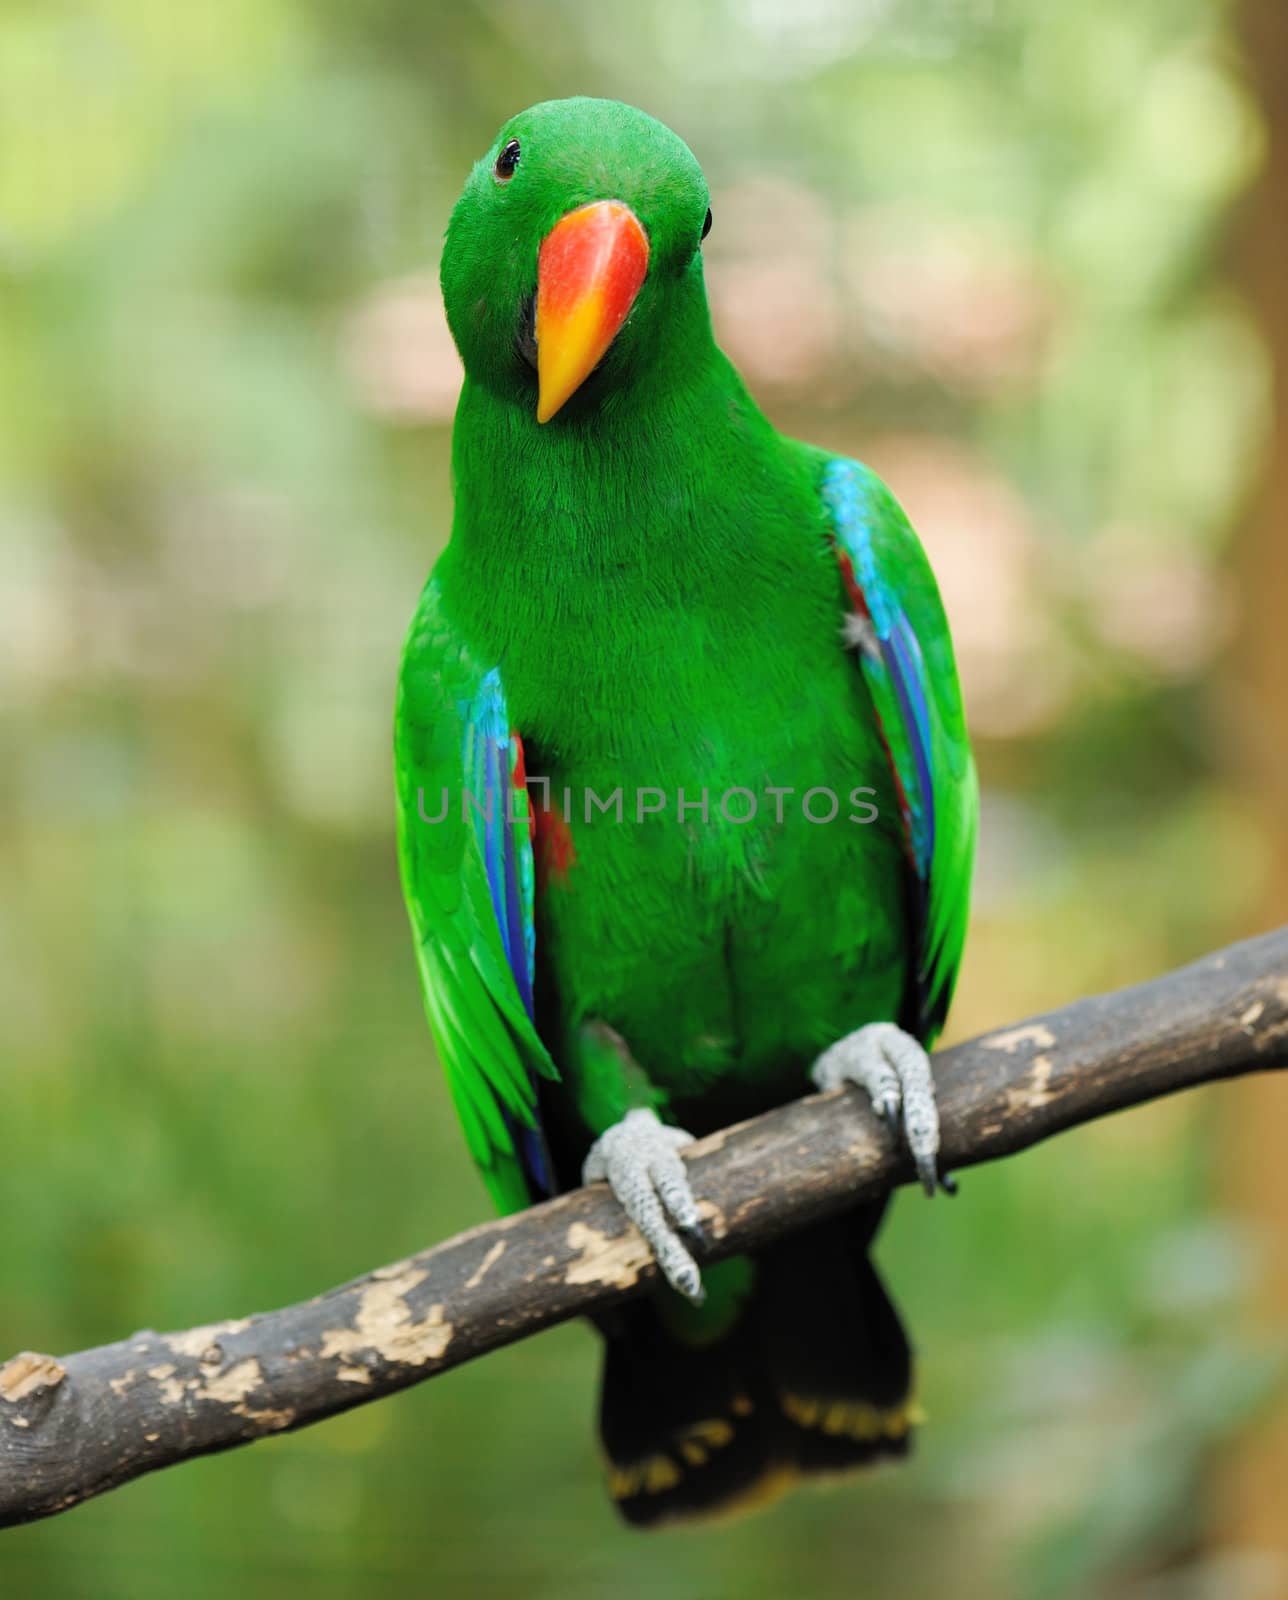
572	264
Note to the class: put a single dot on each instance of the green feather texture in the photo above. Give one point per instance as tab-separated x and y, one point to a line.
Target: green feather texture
486	1040
650	587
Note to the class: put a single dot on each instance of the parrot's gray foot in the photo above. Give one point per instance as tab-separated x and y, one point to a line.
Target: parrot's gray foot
894	1072
640	1158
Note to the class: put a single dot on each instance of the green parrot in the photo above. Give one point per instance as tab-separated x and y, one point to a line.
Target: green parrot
715	661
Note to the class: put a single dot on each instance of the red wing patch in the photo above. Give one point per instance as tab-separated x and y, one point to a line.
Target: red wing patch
519	781
553	848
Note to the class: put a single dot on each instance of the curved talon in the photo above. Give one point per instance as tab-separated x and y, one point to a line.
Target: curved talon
697	1233
893	1070
640	1158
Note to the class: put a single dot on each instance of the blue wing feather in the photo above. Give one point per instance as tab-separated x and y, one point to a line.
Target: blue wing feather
491	756
902	656
910	672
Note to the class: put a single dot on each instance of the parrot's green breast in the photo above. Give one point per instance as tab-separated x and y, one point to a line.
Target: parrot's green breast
685	694
728	952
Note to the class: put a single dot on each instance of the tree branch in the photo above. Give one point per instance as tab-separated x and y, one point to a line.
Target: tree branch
73	1427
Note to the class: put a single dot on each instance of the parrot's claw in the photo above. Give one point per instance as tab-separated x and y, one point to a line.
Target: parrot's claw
894	1072
640	1158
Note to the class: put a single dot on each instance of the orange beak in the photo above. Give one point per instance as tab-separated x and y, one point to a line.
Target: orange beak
590	269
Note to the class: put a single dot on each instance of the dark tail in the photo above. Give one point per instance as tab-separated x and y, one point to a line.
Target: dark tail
797	1365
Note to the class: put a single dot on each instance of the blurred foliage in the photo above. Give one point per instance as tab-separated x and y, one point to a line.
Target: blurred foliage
979	242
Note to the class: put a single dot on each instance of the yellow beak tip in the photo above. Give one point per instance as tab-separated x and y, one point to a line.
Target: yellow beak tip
556	385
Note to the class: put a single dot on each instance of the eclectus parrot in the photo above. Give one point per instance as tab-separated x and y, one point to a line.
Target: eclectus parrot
717	660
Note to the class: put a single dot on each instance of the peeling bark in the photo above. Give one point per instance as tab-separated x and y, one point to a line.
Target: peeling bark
74	1427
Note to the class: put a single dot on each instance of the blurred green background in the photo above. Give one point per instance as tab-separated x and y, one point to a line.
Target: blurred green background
1024	258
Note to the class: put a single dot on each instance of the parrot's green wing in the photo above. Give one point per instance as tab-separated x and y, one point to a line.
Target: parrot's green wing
465	851
906	655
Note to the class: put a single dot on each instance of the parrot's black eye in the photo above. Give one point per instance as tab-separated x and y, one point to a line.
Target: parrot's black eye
507	161
706	225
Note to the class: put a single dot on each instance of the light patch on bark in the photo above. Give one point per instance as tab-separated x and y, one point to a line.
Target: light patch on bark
384	1324
1030	1033
618	1261
171	1388
395	1269
269	1421
1251	1015
234	1385
194	1342
229	1388
1267	1037
27	1374
485	1266
125	1381
349	1374
745	1208
1035	1090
